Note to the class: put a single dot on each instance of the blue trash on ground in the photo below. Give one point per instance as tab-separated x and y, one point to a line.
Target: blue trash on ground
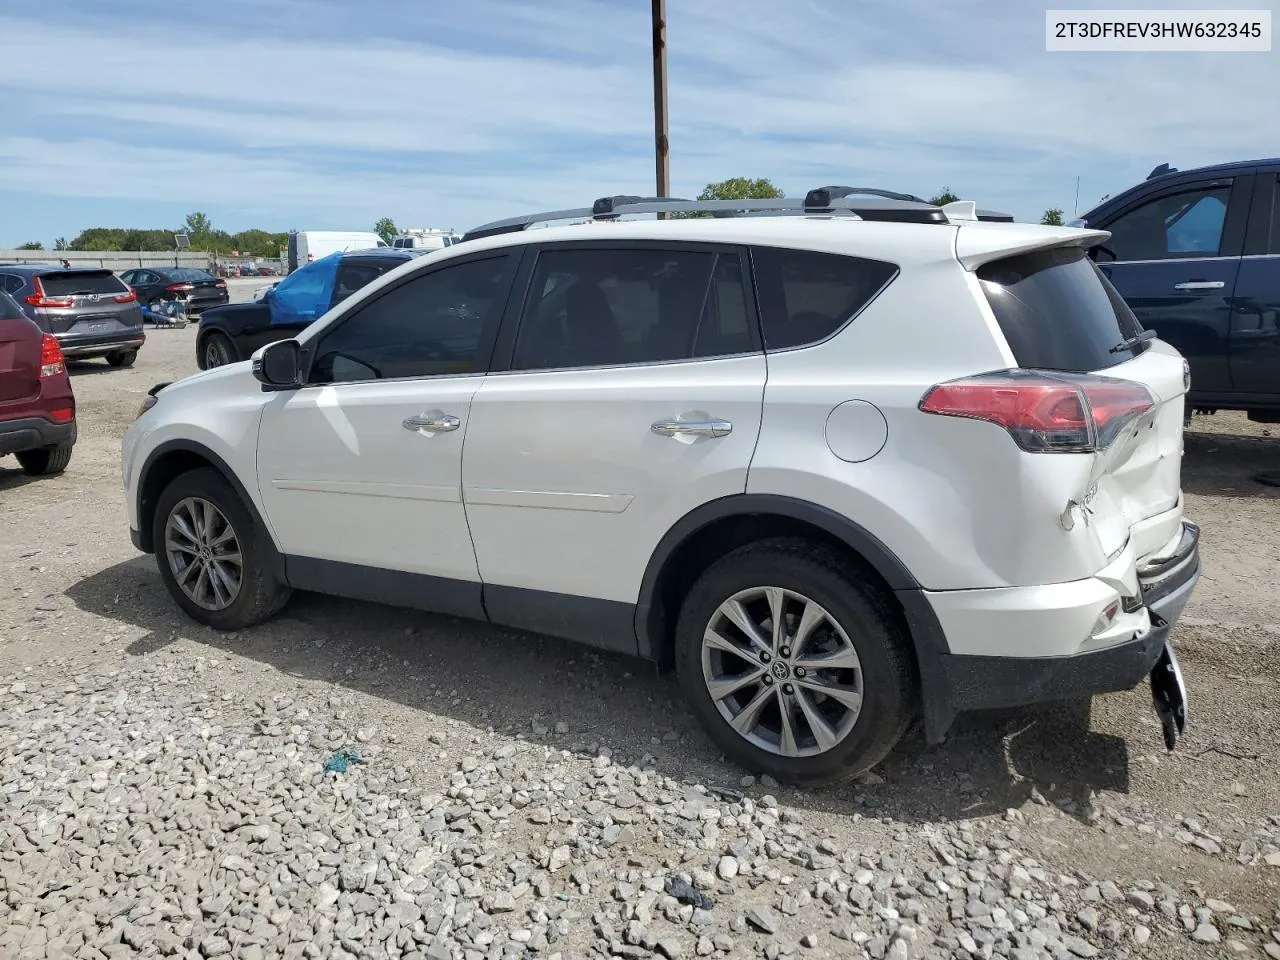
341	761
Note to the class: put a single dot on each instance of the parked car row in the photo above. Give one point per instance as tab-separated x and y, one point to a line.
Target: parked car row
699	441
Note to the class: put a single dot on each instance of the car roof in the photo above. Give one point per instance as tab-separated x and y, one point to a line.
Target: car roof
387	253
1164	170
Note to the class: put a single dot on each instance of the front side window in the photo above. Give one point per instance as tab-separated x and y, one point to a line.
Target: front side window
434	324
1184	224
593	306
805	297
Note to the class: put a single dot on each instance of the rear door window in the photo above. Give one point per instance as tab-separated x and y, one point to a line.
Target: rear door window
70	282
1058	312
805	297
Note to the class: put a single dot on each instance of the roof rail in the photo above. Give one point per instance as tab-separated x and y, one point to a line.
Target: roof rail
879	205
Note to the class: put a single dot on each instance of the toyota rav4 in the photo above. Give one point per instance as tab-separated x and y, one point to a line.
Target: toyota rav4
841	461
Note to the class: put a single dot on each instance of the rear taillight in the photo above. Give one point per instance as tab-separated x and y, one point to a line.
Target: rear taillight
1043	412
62	414
179	288
38	299
129	297
51	361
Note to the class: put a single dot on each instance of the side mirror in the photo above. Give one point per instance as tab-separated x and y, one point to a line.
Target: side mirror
277	366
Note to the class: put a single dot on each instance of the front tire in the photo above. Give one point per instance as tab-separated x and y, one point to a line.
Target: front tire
46	461
216	351
818	701
211	554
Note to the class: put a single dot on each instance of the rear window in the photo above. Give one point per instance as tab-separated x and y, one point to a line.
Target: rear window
9	309
1058	311
67	282
806	297
189	275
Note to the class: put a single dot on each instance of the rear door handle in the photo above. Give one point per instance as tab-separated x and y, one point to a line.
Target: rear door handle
434	422
1199	285
692	428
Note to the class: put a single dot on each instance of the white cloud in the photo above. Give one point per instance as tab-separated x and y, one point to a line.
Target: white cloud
469	112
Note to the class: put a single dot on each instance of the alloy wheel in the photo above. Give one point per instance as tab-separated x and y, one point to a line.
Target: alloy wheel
782	672
204	553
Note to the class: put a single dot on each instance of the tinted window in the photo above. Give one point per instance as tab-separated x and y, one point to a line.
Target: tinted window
9	309
1185	224
10	283
188	275
436	323
805	297
1058	312
597	307
1273	244
81	281
354	274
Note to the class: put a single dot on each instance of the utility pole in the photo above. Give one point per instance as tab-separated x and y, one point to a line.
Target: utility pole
1076	211
660	98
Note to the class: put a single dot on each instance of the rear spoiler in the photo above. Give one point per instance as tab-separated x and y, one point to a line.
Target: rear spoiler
976	247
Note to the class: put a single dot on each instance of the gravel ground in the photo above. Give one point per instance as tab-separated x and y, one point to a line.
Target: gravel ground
507	795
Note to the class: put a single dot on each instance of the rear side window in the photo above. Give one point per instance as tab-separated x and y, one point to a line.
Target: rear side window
188	275
1058	312
68	282
9	309
805	297
9	283
354	274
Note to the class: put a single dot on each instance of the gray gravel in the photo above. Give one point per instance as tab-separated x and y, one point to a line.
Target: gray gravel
157	811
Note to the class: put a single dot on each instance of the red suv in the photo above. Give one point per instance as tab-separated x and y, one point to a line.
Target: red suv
37	407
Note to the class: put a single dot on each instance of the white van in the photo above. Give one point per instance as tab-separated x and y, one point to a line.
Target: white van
307	246
425	239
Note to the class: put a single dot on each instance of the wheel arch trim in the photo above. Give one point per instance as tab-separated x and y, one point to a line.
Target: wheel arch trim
927	637
146	533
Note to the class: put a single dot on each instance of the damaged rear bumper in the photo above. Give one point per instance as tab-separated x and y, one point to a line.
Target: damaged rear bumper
954	684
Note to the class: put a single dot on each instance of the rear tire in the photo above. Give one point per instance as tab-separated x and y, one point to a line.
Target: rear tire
200	525
122	358
851	626
217	351
46	461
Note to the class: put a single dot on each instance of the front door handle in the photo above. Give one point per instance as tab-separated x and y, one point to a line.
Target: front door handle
1199	285
692	428
434	422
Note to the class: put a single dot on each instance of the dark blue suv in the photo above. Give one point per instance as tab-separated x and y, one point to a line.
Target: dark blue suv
1196	255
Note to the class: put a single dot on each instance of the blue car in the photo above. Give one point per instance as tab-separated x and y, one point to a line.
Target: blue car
233	332
1196	255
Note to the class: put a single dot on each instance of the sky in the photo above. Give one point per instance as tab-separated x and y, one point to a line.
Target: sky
329	114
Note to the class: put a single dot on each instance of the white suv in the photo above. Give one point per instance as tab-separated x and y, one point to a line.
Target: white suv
842	462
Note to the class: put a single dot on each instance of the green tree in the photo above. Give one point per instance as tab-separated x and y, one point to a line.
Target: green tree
945	197
198	227
386	229
736	188
61	244
1052	217
30	245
